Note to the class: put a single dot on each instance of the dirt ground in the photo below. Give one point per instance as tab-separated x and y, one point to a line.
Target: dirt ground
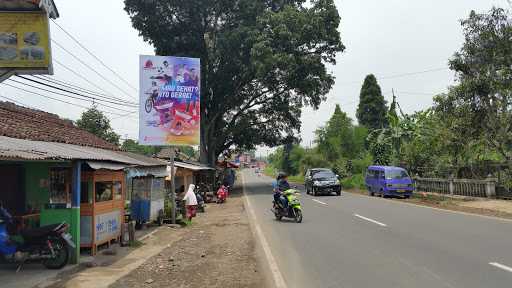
494	208
504	206
217	250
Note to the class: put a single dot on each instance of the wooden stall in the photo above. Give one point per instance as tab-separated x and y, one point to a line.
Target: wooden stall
101	207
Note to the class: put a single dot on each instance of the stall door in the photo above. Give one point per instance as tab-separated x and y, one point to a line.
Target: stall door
12	193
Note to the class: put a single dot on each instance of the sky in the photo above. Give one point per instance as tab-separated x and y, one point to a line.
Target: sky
387	38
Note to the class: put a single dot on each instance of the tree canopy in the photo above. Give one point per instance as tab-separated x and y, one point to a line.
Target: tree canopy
372	110
261	62
94	121
484	71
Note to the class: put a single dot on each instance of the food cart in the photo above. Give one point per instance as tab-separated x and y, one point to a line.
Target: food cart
102	205
147	194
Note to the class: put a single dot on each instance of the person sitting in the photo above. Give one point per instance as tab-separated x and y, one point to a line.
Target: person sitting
282	186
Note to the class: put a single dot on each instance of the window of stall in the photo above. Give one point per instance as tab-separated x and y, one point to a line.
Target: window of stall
108	191
60	185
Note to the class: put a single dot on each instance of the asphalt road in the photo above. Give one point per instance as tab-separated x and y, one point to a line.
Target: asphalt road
359	241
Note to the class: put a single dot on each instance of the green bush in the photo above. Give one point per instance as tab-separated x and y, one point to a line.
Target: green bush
354	181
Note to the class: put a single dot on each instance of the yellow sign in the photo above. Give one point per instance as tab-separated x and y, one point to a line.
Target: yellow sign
24	40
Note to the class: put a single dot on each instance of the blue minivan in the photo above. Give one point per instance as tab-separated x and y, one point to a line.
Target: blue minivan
388	181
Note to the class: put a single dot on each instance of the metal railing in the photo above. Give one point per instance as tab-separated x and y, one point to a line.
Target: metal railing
461	187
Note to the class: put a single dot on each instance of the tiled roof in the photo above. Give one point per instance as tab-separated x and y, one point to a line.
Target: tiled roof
24	123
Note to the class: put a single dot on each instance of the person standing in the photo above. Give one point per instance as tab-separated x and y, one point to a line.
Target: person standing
190	202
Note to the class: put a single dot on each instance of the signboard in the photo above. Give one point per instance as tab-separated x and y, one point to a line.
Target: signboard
169	101
108	225
24	42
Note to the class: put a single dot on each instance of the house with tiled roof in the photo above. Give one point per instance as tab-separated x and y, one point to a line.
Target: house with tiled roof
52	171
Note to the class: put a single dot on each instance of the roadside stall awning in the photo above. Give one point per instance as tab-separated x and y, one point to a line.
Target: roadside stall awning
193	167
96	165
156	171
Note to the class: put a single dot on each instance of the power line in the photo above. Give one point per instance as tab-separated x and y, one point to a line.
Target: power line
93	55
79	76
92	69
68	84
16	102
403	75
124	115
72	92
56	99
82	90
65	95
413	73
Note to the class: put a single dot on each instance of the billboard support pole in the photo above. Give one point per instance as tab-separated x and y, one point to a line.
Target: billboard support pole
173	188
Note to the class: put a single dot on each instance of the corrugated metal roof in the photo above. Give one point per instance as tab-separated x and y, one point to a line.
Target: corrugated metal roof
21	149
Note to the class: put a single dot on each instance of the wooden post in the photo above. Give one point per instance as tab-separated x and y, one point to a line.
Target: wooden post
173	188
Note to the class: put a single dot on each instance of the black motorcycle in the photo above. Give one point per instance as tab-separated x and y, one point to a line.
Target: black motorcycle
48	245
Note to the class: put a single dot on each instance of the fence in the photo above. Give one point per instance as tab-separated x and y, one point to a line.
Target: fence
462	187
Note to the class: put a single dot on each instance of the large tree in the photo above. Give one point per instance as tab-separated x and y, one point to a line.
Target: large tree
261	62
94	121
484	71
372	109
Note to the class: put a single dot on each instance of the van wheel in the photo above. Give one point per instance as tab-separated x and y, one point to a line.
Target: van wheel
370	192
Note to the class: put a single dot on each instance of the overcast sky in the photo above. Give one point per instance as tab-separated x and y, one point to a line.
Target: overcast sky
386	38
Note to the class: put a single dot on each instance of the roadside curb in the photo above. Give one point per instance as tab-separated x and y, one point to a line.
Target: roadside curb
277	278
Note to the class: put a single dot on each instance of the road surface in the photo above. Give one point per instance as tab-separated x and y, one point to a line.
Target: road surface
360	241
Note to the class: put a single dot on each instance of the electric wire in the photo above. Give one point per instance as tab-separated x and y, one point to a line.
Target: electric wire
93	55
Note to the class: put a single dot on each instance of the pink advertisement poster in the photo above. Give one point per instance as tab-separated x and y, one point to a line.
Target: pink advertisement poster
169	100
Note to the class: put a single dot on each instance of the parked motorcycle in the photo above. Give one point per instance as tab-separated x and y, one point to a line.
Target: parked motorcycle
48	245
294	210
200	203
222	194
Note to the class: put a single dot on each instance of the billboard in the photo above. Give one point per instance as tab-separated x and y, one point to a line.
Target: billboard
24	42
169	112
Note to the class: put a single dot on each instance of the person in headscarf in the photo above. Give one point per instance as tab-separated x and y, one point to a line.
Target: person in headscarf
190	202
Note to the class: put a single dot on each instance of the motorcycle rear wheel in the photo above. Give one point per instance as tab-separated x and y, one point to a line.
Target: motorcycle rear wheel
298	215
61	258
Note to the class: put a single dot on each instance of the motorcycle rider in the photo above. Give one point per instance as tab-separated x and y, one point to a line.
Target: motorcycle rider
282	186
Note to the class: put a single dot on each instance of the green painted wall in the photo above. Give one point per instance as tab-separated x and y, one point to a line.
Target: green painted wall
36	184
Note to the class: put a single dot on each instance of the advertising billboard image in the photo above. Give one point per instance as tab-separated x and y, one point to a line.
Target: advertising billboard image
24	41
169	112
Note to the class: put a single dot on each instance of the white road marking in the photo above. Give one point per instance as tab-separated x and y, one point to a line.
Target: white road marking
371	220
501	266
433	208
274	268
318	201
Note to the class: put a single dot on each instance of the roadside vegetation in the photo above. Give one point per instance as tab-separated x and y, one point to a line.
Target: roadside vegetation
466	133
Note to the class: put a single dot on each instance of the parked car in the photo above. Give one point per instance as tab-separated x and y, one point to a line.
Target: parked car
322	181
388	181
